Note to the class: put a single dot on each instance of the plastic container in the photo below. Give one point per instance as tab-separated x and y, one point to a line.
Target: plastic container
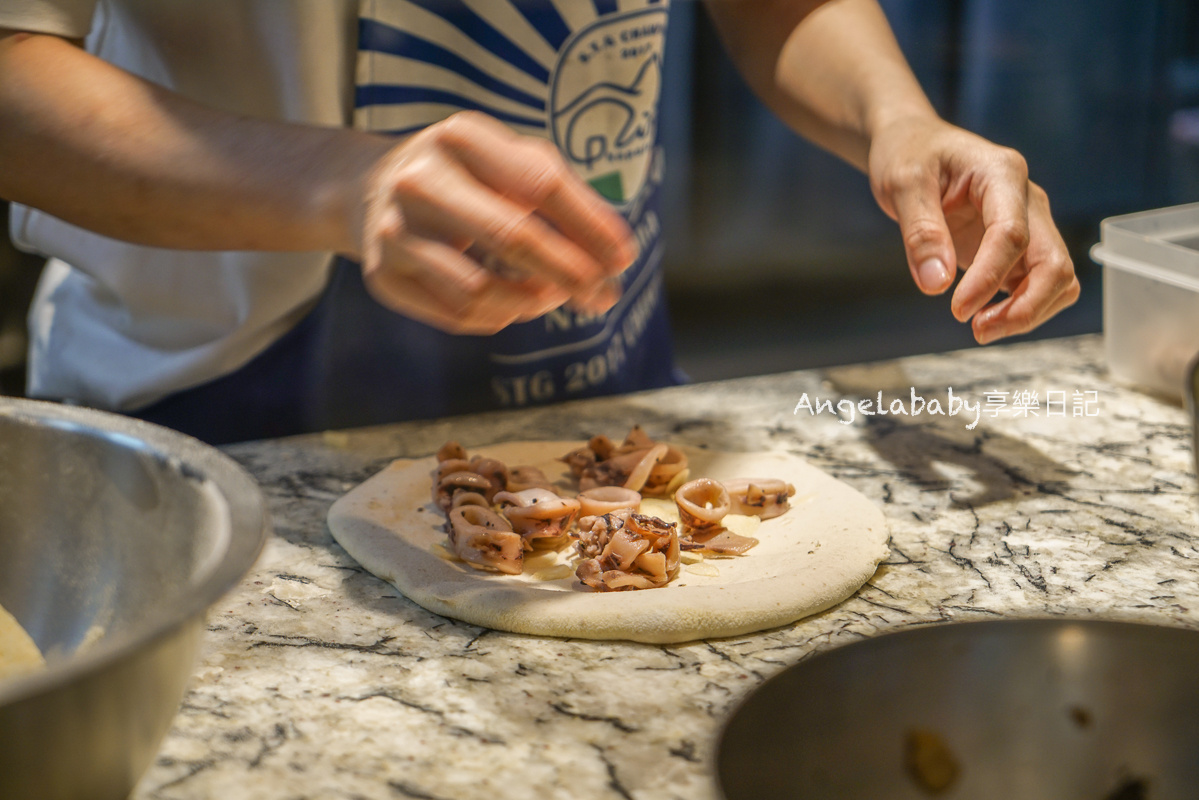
1151	297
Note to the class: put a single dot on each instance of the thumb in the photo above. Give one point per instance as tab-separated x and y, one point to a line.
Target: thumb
926	237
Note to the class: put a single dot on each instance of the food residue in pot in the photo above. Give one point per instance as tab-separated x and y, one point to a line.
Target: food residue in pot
1130	788
1081	717
929	761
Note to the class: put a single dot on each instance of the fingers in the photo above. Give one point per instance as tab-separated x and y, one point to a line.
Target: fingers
467	213
447	289
1035	301
452	204
1048	285
964	202
1000	192
916	198
533	174
446	273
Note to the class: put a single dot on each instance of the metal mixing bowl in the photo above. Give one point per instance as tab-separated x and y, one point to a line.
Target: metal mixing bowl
1029	709
115	537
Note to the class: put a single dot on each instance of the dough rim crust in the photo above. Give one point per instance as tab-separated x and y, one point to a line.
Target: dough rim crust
811	558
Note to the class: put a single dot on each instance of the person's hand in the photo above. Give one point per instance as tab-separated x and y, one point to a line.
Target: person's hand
469	227
964	202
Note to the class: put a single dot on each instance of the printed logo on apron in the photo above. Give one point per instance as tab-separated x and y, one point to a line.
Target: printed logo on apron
585	74
604	100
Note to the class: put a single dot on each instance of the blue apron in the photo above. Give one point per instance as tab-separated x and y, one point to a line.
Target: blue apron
582	73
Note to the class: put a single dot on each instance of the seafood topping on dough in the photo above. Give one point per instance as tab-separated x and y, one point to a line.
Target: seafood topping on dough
606	499
525	477
638	463
703	504
538	515
623	550
495	514
760	497
482	538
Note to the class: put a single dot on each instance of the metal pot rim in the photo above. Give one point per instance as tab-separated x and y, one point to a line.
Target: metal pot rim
953	629
248	521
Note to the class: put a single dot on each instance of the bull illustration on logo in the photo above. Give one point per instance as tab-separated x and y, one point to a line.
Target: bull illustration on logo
604	98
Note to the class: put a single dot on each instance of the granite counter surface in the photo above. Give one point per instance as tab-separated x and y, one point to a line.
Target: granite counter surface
320	681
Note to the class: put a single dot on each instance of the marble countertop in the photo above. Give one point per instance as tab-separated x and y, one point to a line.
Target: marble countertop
320	681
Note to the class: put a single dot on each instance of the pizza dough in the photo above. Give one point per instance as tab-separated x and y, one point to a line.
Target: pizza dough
812	557
18	654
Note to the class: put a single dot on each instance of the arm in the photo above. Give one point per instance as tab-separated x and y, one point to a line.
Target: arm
832	70
105	150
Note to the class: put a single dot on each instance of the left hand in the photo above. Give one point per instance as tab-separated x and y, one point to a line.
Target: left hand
964	201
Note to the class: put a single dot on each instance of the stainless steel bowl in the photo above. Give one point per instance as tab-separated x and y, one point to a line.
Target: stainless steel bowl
115	537
1029	709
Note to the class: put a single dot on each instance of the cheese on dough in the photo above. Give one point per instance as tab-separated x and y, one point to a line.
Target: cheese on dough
18	654
809	559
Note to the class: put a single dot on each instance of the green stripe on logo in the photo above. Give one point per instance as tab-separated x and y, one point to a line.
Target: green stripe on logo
610	186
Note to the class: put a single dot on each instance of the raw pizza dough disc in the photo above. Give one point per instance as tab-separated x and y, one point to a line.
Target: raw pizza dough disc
18	654
811	558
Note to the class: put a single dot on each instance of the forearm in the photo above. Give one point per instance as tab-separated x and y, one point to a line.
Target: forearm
831	69
110	152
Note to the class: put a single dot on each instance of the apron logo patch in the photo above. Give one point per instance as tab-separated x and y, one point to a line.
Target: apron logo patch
604	99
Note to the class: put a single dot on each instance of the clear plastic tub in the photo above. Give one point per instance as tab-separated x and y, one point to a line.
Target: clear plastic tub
1151	296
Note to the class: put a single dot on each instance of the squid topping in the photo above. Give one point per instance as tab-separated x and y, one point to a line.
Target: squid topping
450	465
719	541
630	470
618	548
449	450
702	503
626	551
443	492
602	446
761	497
483	539
593	532
581	461
464	497
605	499
638	463
537	513
526	477
494	471
668	473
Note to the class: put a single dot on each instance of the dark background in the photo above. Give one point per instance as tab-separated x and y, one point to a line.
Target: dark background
778	258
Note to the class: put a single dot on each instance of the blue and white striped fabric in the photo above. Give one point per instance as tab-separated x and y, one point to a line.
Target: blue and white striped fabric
584	74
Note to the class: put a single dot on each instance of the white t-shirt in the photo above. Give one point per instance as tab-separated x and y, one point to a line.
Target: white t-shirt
124	325
120	326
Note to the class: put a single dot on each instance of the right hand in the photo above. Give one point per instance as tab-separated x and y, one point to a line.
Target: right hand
447	205
963	202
